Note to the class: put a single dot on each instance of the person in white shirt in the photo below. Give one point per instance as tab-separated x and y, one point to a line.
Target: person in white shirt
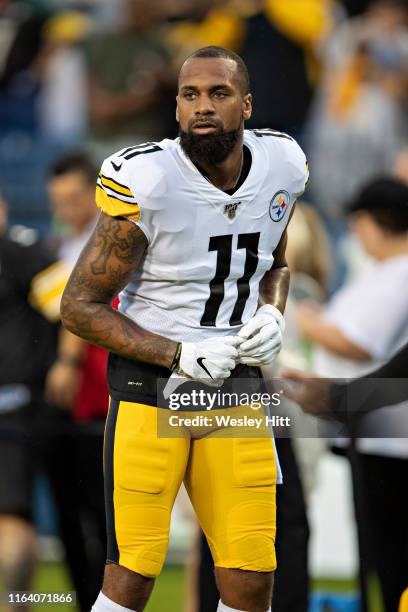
364	325
77	392
71	191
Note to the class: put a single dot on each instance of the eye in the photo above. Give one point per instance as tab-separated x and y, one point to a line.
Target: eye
220	95
189	95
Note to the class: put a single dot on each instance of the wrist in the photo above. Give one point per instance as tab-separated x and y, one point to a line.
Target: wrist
185	364
186	356
176	359
276	313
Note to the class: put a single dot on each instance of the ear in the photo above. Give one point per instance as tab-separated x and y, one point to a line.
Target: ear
247	106
177	110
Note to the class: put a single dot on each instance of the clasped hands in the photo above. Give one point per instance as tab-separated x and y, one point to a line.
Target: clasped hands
257	343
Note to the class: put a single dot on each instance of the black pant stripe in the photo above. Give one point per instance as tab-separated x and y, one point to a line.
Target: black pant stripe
112	545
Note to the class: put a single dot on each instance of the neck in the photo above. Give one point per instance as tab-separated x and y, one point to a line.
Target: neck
394	249
226	174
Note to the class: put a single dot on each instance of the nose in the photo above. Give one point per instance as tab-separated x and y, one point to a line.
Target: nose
204	105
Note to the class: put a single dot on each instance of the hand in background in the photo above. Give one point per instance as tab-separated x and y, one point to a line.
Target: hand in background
62	384
310	392
308	315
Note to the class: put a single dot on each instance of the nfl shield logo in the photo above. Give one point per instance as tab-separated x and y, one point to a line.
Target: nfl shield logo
279	205
230	209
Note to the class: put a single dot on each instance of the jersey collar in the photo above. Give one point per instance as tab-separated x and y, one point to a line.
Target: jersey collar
245	194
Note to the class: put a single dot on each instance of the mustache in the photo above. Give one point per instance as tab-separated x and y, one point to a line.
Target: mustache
205	121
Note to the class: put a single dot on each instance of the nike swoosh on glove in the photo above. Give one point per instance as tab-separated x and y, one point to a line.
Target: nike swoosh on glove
262	337
209	361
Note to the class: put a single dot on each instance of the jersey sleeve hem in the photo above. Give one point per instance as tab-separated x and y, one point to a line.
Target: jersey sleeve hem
141	226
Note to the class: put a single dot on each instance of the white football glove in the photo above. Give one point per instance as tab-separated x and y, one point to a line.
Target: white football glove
262	337
209	361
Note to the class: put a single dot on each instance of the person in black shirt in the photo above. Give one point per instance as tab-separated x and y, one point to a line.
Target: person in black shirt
380	492
29	281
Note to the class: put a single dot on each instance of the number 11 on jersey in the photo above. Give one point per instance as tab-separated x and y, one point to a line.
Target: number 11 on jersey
223	246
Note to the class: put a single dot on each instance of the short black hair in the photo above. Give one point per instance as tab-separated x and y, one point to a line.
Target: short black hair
402	4
224	53
74	161
385	199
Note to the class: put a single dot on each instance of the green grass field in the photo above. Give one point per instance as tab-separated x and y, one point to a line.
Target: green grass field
168	594
169	591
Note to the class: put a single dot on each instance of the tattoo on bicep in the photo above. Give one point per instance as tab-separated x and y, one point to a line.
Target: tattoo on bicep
110	239
109	257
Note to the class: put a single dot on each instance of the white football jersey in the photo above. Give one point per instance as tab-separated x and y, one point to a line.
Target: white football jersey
207	250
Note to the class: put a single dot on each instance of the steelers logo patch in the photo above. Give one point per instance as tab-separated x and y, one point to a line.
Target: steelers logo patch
279	205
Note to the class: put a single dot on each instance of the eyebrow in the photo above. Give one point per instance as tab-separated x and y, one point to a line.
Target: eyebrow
213	88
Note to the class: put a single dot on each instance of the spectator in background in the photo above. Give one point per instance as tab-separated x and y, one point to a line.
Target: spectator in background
33	362
30	283
20	76
358	124
401	165
72	376
77	383
42	84
71	187
208	22
126	71
363	325
278	42
355	7
280	51
380	221
308	259
105	13
62	102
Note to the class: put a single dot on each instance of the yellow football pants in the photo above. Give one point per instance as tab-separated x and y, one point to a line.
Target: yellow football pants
230	481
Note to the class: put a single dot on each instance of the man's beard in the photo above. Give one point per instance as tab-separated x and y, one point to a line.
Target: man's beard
209	149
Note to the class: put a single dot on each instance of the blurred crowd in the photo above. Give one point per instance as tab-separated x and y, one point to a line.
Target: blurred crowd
103	75
81	79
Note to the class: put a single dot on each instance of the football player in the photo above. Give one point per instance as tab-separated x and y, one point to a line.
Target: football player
193	234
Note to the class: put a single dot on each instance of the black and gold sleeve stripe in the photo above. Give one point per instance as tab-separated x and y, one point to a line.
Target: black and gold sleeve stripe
115	198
